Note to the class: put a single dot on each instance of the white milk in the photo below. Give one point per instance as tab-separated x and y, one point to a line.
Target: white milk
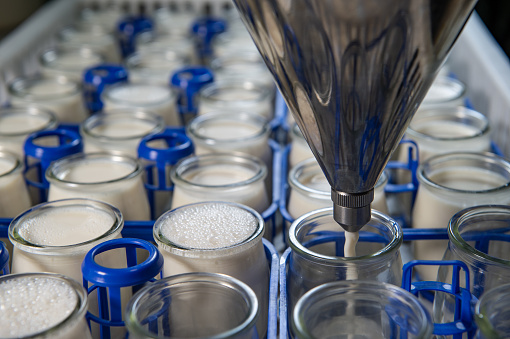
154	65
236	96
446	189
61	96
100	42
16	124
446	130
158	99
220	177
118	131
216	237
444	92
167	43
14	197
231	133
116	180
42	306
69	63
299	149
310	190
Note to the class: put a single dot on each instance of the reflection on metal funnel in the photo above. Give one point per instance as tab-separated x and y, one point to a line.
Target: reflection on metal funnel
353	73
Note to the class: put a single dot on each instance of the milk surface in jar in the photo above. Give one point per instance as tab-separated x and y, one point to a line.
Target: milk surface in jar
216	237
222	177
446	130
448	184
17	123
158	99
119	131
444	92
55	236
236	96
96	40
57	94
115	179
154	65
218	132
70	63
42	305
310	190
168	42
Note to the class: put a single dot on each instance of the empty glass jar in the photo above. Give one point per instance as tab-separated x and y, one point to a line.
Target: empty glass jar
491	313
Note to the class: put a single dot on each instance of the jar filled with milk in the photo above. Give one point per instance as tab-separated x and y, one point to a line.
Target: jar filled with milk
69	63
154	65
444	92
237	96
119	131
97	40
448	184
159	99
42	305
16	124
115	179
216	237
14	196
225	177
205	305
59	95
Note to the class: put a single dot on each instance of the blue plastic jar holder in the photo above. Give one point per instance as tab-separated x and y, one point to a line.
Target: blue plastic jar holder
129	28
95	79
189	80
110	283
205	29
4	259
159	152
42	148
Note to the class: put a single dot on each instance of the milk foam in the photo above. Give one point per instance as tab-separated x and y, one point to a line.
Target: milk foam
65	226
209	226
31	305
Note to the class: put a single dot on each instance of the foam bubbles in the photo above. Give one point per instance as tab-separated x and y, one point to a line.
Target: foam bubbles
209	226
30	305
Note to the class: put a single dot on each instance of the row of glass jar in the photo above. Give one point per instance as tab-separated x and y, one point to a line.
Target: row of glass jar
212	237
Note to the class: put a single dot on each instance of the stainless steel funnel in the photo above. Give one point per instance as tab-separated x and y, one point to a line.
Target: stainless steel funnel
353	73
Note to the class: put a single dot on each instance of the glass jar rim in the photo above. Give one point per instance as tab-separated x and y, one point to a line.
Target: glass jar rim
114	116
49	57
33	111
56	167
81	294
106	95
26	246
208	91
17	164
179	280
373	289
176	174
441	159
487	299
302	250
172	247
21	87
458	114
243	117
455	235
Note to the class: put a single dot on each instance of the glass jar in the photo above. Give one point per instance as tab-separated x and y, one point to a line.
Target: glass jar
236	96
154	65
96	40
447	130
69	63
16	124
158	99
217	237
119	131
42	305
168	42
299	149
317	255
360	309
480	237
218	132
115	179
444	92
224	177
448	184
310	190
55	236
14	197
59	95
204	305
491	313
